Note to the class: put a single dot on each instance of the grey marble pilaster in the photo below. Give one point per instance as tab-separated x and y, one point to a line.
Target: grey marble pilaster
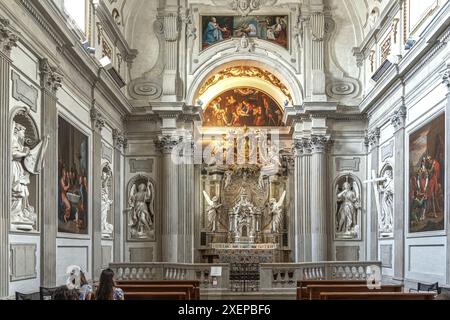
50	83
190	209
181	212
169	215
8	40
299	220
446	82
97	125
306	199
373	143
319	198
398	121
119	145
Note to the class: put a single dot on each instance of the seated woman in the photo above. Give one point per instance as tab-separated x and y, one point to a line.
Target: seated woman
86	291
107	289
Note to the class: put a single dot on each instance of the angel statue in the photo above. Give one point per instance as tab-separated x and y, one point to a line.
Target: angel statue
228	178
212	211
276	212
106	202
350	204
142	214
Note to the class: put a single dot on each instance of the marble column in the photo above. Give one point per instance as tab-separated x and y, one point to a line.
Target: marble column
169	215
119	145
306	198
446	82
96	184
373	143
8	40
299	220
319	198
50	83
398	122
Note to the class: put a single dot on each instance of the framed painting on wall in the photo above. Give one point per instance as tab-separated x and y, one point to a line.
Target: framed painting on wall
73	173
427	177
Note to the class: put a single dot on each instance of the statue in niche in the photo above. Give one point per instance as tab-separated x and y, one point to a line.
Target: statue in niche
386	189
348	207
25	162
276	211
228	178
212	211
141	208
106	202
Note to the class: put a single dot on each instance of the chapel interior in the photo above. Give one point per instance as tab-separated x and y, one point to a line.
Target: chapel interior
243	146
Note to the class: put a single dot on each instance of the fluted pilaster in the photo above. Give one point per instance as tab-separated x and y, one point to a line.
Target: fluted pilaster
398	120
98	124
8	40
51	81
319	237
169	238
120	143
299	219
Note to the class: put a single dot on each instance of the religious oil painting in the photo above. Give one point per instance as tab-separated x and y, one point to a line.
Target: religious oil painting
243	107
427	177
270	28
73	189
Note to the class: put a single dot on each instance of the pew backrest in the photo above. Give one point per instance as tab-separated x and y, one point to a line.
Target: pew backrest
314	291
376	296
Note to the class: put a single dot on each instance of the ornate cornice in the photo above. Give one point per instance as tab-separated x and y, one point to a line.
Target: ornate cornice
166	143
98	123
398	118
51	79
8	37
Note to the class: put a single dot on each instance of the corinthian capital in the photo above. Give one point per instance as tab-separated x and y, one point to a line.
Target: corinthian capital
446	77
398	117
8	37
319	143
98	123
373	137
166	143
120	142
51	79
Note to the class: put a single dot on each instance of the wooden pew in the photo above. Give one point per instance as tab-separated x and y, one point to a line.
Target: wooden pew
314	291
172	295
303	284
376	296
195	284
190	291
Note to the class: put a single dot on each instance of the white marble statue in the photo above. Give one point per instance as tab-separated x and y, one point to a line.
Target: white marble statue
106	203
228	178
387	206
276	211
25	162
348	211
141	210
212	211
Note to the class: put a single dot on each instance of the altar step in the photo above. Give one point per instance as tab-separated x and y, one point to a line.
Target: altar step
259	295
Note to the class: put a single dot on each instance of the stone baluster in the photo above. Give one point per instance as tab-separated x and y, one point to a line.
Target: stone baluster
169	238
319	198
373	145
398	120
98	123
50	83
8	40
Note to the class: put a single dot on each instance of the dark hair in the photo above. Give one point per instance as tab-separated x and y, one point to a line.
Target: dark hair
105	289
64	293
83	280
